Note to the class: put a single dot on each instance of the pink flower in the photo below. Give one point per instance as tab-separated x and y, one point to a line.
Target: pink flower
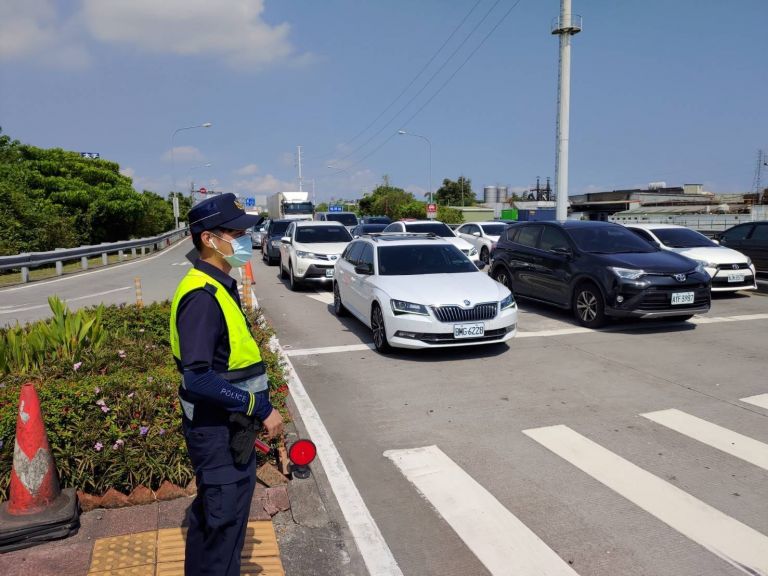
161	431
118	444
76	366
96	390
100	402
98	446
143	430
105	409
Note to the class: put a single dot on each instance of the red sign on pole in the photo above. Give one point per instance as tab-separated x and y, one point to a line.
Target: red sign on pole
203	191
431	208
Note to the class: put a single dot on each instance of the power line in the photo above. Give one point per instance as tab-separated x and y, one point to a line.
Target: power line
424	87
413	80
451	77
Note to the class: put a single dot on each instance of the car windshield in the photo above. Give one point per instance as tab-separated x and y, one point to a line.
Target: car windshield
493	229
609	240
682	238
315	234
279	228
378	220
436	228
412	259
346	219
297	207
368	228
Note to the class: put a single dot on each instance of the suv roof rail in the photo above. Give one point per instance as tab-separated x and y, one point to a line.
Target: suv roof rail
376	235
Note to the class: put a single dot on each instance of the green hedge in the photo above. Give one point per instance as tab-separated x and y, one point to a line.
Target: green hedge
112	414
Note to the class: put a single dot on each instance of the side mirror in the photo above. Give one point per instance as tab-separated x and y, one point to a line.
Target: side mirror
480	265
476	234
286	239
366	269
715	240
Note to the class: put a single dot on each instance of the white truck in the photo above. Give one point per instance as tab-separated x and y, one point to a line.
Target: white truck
290	206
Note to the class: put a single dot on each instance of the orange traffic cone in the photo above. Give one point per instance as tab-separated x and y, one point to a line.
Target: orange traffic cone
249	271
37	510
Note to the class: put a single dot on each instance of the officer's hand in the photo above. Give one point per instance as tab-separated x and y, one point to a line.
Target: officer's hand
274	424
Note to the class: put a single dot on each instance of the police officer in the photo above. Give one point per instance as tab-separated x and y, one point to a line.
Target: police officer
224	386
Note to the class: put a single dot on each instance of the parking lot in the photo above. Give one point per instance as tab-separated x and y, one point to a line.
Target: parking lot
636	449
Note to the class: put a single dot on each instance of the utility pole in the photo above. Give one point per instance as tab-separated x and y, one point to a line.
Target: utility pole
565	26
299	161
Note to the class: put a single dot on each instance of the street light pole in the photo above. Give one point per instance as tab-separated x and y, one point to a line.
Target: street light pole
173	157
429	148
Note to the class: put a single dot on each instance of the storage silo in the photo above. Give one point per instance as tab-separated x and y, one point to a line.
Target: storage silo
490	193
501	196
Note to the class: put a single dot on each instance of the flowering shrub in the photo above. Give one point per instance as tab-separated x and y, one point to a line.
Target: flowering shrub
112	416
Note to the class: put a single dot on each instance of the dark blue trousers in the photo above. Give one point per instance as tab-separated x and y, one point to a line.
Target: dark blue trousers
217	521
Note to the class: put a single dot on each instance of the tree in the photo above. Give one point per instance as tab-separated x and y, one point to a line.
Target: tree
449	215
412	209
457	193
385	200
322	207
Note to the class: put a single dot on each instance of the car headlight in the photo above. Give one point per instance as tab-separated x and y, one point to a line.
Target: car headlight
302	254
701	267
403	307
627	273
473	251
275	242
508	302
706	264
749	261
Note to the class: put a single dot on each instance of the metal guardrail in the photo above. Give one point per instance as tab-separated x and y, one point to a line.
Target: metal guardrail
34	259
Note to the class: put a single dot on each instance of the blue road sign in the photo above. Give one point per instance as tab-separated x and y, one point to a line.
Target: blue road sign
250	202
89	154
335	208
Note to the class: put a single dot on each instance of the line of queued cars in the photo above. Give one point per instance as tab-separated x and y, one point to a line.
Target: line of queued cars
419	284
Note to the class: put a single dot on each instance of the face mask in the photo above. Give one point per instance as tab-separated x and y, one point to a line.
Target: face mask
242	250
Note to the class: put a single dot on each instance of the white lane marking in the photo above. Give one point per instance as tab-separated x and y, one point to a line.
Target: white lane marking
496	536
373	548
716	319
329	349
137	260
734	542
760	400
728	441
86	297
535	334
324	297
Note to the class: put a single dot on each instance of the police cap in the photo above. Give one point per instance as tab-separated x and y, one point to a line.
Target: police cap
221	211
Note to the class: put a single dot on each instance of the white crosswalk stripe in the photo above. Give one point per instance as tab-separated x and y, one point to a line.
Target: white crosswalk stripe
736	543
723	439
760	400
500	541
324	297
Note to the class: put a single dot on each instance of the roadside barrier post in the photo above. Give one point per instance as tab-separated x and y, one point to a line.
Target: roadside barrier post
24	274
139	298
38	510
104	259
120	255
84	262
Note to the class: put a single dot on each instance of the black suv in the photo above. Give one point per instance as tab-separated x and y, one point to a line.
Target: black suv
751	239
598	269
270	242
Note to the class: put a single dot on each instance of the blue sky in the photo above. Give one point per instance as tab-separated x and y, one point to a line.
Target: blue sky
661	91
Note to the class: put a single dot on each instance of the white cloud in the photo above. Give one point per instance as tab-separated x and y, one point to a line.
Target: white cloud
231	29
267	184
182	154
33	30
247	170
130	172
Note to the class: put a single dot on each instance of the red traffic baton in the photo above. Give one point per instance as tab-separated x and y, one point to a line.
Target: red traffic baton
301	454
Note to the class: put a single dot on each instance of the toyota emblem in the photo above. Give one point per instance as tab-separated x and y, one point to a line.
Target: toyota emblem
680	277
735	266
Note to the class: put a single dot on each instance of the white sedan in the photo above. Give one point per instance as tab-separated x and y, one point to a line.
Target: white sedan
420	291
483	236
730	270
438	229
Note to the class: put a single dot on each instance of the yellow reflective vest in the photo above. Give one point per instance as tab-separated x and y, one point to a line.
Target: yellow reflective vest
244	355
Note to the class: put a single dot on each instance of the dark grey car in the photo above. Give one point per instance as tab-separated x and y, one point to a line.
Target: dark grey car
750	238
270	244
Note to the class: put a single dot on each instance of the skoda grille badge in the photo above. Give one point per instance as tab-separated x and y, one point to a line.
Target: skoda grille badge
467	302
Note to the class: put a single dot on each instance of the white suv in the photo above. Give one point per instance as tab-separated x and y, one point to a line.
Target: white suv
309	250
483	236
438	229
420	291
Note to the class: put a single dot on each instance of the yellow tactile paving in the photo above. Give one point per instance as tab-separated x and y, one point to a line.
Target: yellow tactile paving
123	554
161	553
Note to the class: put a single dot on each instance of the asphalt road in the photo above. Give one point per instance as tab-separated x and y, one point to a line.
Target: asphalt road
159	273
534	458
637	450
